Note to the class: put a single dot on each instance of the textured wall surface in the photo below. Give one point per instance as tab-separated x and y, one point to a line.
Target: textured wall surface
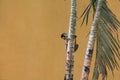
30	44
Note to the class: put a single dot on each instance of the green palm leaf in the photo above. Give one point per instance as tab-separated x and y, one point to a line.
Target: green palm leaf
107	47
107	50
86	12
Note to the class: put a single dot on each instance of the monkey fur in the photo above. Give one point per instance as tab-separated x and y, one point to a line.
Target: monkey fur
64	36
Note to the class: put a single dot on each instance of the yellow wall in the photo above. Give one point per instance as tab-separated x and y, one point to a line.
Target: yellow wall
30	44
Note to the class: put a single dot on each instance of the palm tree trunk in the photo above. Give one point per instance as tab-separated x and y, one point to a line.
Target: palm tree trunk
91	41
71	43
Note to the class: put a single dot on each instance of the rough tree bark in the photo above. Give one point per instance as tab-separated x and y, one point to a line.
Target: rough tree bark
71	43
91	41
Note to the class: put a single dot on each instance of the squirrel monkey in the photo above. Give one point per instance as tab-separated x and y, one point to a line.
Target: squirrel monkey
65	37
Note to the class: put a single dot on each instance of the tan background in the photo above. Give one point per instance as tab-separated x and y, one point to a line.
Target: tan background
30	44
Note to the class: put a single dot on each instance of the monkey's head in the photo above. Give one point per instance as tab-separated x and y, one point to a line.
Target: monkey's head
64	36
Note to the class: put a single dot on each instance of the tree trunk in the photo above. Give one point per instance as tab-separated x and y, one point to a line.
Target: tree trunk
71	42
91	41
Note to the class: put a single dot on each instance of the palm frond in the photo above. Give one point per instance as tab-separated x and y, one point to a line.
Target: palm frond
109	17
107	49
86	12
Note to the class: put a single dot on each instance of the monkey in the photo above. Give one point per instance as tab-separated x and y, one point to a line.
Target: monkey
64	36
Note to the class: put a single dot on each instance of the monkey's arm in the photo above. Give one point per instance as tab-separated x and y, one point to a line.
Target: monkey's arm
65	37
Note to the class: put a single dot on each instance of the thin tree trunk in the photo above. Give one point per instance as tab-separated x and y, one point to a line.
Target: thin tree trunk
91	41
71	43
